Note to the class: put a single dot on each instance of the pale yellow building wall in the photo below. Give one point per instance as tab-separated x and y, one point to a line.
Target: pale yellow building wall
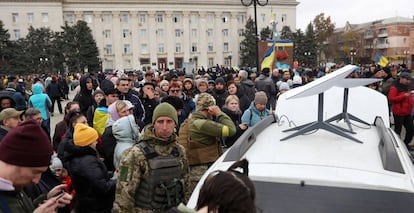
94	10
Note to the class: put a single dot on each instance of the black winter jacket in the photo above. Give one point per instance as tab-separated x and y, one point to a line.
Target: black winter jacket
95	191
84	97
236	118
139	111
107	148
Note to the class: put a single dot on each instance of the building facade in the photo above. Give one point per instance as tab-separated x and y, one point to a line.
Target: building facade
359	43
133	34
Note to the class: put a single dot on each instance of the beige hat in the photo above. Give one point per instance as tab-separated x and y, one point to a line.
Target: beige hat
9	113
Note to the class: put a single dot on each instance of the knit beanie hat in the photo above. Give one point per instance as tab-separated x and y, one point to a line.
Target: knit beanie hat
202	81
164	109
204	101
83	135
284	86
56	164
260	98
108	87
97	91
220	80
188	80
26	145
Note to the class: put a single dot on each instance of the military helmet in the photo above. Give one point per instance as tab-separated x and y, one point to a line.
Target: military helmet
204	100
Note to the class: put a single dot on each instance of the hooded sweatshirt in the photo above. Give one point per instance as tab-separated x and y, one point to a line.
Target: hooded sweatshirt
40	101
125	131
84	97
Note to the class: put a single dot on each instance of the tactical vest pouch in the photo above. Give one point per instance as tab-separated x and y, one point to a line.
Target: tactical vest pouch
163	188
198	153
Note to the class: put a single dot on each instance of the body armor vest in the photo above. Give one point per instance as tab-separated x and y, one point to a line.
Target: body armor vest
163	187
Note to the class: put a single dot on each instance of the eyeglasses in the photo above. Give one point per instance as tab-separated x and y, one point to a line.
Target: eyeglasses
175	90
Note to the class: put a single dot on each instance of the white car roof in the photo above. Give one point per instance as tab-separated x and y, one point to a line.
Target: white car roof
322	158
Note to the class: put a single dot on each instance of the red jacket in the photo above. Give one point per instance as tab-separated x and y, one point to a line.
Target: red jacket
402	105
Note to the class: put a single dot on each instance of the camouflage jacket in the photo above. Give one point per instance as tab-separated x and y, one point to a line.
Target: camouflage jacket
133	166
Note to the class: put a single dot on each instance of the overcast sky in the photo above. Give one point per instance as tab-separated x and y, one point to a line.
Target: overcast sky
354	11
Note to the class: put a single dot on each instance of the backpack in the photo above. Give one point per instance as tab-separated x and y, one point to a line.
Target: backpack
184	133
100	116
197	153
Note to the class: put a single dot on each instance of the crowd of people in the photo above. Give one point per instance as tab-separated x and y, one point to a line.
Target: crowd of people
140	142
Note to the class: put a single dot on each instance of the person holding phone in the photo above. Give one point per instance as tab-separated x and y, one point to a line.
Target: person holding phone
25	154
148	100
401	99
231	108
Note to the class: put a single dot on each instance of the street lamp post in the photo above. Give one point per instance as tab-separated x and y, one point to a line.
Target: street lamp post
43	62
195	63
352	53
307	54
249	3
406	53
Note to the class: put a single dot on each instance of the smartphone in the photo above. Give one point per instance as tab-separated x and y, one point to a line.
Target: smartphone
60	194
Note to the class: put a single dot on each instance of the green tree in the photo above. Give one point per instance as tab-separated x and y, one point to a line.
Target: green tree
78	48
68	41
58	45
22	60
88	51
298	48
34	53
5	49
351	44
286	33
324	28
248	45
265	34
310	46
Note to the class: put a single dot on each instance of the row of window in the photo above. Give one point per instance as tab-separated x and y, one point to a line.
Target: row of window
126	33
109	63
160	33
159	18
124	18
161	48
30	17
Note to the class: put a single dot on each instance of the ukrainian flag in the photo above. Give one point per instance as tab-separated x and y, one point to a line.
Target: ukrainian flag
268	57
381	60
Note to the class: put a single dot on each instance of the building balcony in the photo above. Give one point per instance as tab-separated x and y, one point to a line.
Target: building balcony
382	46
368	46
368	36
382	34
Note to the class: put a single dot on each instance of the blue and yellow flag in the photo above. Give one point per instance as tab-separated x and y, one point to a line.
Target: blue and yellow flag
268	57
381	60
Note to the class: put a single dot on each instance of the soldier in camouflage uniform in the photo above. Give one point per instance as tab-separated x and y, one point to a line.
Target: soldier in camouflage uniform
207	125
153	173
